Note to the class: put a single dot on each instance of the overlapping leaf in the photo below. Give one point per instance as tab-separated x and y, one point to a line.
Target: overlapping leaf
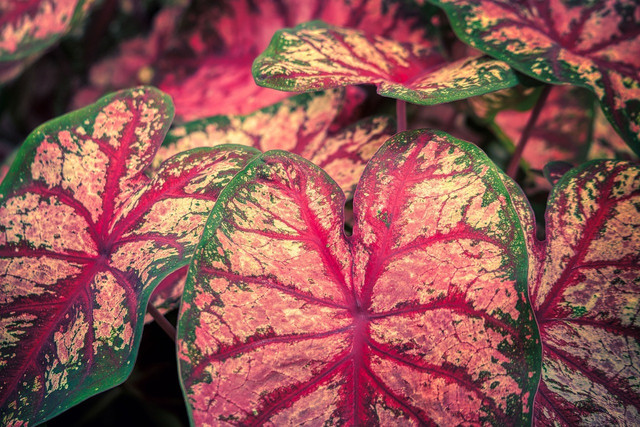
420	317
316	56
135	63
585	283
594	44
310	125
85	237
301	125
29	26
208	58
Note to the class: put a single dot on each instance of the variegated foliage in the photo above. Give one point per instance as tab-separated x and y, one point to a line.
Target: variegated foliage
316	56
584	290
85	236
420	317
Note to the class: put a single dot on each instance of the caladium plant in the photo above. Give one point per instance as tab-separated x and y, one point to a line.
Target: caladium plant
421	316
311	120
584	289
421	296
209	56
28	27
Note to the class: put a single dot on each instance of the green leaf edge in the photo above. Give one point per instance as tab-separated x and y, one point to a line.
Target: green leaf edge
222	120
389	90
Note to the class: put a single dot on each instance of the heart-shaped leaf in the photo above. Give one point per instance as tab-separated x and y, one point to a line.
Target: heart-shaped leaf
301	125
420	317
594	44
585	284
85	236
29	26
315	55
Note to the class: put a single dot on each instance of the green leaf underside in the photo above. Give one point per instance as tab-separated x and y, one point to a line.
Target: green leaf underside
421	316
315	55
593	44
85	236
584	288
29	26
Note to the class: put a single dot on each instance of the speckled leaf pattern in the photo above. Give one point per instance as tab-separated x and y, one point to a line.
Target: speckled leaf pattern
85	237
585	295
221	41
28	26
594	44
316	56
301	125
421	316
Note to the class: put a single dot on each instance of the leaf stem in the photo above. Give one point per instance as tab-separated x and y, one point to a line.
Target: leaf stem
162	321
401	115
512	169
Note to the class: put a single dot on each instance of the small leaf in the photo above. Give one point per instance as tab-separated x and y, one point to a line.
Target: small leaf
301	125
85	236
585	291
593	44
316	56
421	317
29	26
